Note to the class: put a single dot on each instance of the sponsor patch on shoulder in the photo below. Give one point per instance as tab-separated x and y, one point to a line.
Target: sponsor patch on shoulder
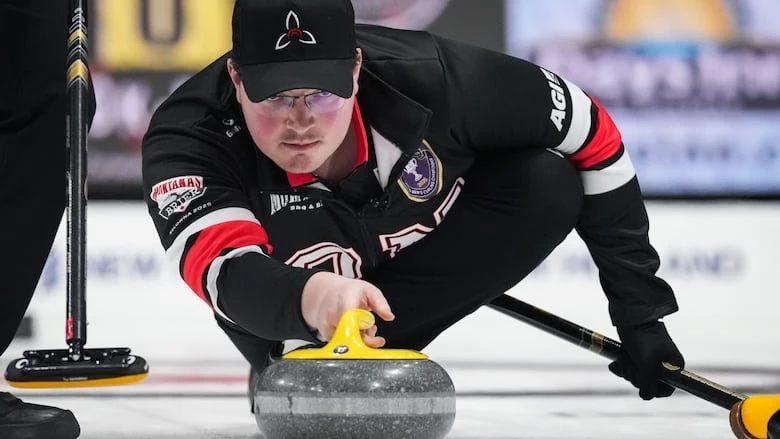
174	195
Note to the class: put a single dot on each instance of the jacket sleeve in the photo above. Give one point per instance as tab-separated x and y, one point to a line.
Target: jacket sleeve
210	234
504	102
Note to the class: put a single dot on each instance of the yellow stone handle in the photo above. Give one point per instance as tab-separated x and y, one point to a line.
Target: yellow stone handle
347	343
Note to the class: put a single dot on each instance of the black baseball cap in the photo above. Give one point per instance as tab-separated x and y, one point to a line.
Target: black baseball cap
286	44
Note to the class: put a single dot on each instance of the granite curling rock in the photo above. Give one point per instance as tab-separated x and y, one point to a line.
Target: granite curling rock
347	389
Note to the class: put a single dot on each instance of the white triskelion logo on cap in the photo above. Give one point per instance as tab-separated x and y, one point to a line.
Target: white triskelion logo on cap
294	32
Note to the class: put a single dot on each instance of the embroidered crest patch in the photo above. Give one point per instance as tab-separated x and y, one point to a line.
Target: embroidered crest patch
421	179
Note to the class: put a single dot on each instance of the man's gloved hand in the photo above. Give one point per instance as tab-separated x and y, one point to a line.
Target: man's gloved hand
645	347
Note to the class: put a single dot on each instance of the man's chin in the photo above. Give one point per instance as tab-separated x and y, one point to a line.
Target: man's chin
301	163
300	168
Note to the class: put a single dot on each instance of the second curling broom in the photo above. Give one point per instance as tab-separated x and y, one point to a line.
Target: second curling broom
76	366
750	417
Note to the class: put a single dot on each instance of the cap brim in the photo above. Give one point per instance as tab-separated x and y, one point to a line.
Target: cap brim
264	80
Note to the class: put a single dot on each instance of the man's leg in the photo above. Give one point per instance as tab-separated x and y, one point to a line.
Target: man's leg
256	351
32	181
515	208
32	149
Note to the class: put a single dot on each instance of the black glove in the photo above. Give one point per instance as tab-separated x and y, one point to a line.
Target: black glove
645	347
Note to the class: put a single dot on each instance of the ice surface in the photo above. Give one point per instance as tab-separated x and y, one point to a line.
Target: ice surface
495	401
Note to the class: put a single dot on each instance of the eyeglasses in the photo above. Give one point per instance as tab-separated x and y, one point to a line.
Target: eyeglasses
319	102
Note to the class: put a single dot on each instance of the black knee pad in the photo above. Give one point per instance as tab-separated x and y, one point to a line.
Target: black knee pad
557	183
535	177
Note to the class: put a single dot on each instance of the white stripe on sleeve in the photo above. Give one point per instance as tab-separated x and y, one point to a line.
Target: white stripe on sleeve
580	122
175	251
610	178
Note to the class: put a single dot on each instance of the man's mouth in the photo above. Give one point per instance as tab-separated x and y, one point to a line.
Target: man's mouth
300	145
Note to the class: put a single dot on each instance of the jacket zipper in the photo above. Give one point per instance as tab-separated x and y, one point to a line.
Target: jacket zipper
366	241
378	204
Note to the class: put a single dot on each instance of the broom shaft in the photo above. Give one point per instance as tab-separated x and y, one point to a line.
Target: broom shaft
76	139
611	349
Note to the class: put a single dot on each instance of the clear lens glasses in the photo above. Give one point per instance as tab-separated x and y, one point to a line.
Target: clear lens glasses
280	105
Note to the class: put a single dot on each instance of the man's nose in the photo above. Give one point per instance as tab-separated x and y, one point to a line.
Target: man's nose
300	117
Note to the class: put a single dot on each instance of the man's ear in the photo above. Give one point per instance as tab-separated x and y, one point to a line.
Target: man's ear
356	69
234	77
358	60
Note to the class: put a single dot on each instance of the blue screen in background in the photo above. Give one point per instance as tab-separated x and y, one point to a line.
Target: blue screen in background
694	86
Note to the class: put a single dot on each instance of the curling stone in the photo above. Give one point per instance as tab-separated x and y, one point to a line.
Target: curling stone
347	389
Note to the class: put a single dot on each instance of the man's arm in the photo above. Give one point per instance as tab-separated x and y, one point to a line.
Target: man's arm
210	233
503	102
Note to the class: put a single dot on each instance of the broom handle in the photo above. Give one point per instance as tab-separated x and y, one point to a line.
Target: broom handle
611	349
76	140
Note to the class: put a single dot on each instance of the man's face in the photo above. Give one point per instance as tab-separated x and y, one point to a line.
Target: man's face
296	138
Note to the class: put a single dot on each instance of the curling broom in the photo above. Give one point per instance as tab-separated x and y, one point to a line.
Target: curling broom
76	366
751	417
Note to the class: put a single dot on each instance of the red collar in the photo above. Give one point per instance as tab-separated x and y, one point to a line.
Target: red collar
297	180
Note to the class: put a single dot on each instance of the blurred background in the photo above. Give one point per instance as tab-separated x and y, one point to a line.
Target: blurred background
694	86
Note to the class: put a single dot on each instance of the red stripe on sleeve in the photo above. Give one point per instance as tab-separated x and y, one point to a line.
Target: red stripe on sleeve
211	242
604	144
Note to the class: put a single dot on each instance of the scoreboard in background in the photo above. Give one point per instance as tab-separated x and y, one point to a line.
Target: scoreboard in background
161	35
141	50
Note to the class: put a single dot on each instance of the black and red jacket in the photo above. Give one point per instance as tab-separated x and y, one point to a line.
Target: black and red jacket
233	222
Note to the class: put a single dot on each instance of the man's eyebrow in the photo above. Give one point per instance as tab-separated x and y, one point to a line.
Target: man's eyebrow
297	96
